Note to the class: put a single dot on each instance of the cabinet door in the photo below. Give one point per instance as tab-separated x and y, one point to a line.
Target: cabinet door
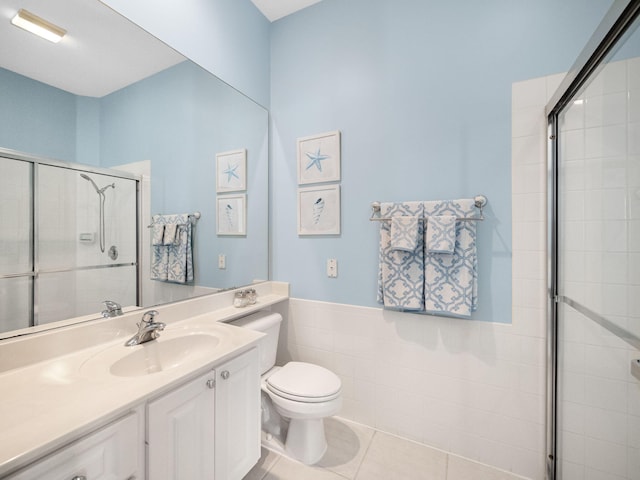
237	416
111	453
180	432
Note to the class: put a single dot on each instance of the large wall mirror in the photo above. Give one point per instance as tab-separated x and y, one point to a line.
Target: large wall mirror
99	133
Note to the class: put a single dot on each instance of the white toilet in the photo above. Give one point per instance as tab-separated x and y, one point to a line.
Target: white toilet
301	393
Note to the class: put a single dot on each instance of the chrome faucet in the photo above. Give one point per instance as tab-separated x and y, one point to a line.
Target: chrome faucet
112	309
148	329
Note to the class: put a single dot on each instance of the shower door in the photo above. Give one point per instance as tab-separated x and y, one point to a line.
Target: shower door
596	289
68	240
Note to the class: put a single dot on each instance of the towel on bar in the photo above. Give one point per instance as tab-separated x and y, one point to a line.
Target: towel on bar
404	232
451	281
170	234
441	234
157	234
174	262
401	273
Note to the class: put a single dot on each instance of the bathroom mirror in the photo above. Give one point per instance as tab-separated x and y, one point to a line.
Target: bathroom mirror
110	104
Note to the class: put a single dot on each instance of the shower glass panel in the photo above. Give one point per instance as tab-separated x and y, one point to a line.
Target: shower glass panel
68	240
16	267
598	276
87	244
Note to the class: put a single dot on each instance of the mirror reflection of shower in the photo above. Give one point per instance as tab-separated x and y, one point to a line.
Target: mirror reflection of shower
101	195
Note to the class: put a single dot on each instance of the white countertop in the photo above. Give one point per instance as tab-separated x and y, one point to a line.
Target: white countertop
46	404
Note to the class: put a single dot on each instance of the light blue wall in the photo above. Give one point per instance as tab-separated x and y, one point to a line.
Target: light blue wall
36	118
421	91
179	119
230	38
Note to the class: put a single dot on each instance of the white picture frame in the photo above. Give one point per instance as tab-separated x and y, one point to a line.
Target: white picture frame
231	215
319	158
319	210
231	171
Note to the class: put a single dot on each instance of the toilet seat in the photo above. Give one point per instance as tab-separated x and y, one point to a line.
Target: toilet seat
304	382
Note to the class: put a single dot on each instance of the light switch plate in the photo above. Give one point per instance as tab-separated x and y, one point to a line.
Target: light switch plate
222	261
332	268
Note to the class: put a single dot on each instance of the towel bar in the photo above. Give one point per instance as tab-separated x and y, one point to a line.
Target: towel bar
480	202
192	216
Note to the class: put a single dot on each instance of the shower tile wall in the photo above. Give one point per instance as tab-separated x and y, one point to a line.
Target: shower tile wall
599	407
473	388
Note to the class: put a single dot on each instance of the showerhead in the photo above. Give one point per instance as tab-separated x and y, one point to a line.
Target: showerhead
87	177
99	190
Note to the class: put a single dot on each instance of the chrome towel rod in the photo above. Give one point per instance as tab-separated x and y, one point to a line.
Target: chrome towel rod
192	216
480	202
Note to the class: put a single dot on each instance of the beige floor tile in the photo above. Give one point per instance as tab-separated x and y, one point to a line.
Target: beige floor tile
348	443
462	469
393	458
286	469
266	462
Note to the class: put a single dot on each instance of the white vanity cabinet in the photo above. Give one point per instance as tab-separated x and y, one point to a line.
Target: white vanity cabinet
181	432
208	427
114	452
237	416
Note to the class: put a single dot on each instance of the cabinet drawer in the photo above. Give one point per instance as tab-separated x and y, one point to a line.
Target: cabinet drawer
110	453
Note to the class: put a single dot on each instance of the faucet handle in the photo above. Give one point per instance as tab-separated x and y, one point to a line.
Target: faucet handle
149	317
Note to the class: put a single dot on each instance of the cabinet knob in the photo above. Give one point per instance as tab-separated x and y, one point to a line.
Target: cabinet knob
211	383
225	374
79	477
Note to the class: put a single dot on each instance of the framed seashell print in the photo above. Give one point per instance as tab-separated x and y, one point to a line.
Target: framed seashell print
319	210
319	158
232	215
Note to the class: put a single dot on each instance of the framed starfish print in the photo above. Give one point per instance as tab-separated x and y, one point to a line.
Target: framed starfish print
319	158
231	171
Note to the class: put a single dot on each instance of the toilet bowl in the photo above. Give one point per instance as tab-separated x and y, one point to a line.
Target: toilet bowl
301	393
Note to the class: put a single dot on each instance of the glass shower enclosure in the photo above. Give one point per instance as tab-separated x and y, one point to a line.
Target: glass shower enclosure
594	379
68	240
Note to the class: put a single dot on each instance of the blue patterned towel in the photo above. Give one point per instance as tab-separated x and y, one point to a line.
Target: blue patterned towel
451	281
170	234
157	234
441	234
404	232
174	262
400	273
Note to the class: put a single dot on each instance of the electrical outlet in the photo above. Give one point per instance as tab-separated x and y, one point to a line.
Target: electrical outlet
222	261
332	268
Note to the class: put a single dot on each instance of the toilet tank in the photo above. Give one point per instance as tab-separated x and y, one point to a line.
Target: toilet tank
268	323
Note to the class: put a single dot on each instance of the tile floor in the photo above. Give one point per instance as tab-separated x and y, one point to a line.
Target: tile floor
357	452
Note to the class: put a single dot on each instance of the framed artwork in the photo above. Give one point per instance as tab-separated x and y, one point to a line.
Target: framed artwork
319	210
232	214
319	158
231	171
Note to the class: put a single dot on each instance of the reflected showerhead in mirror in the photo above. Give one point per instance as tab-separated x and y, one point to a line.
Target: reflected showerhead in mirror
100	191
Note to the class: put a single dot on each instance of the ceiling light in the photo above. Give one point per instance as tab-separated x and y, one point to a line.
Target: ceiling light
34	24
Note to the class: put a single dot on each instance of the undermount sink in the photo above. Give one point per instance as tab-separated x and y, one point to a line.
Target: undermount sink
152	357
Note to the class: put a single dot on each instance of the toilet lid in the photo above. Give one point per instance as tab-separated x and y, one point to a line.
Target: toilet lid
299	380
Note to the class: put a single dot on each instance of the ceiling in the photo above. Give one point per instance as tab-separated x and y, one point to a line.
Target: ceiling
275	9
102	51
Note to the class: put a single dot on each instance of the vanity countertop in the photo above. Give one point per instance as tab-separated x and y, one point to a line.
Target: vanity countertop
49	403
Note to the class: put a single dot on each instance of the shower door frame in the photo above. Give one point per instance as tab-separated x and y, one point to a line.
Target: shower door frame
616	23
35	162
